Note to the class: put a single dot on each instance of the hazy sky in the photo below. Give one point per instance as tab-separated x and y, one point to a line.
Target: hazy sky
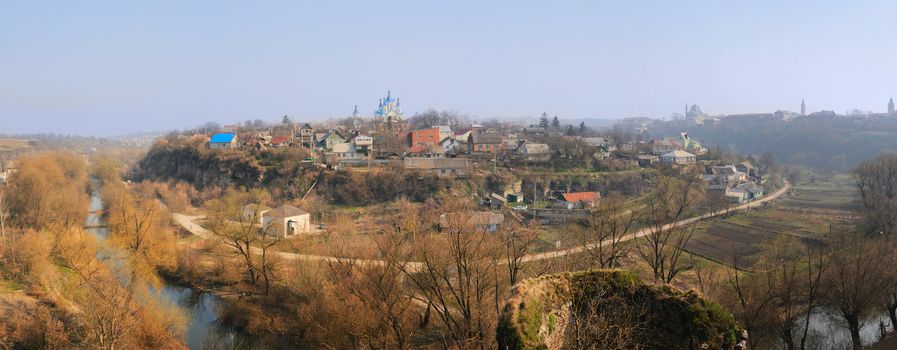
114	67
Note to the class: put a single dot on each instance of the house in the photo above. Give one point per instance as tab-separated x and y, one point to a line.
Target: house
327	140
486	221
497	201
452	146
223	141
750	190
534	131
363	144
724	174
438	166
444	131
363	141
747	168
729	194
429	136
306	135
280	141
345	151
254	211
660	147
534	152
578	200
596	142
678	157
485	143
463	135
285	221
515	197
647	160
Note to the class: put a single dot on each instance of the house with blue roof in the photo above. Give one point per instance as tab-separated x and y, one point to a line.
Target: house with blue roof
223	141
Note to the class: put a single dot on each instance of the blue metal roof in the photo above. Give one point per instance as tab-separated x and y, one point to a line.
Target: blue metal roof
222	138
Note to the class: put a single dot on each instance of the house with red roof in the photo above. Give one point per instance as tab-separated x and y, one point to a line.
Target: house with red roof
578	200
280	141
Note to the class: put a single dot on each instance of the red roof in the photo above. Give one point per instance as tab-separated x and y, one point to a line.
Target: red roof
280	139
581	196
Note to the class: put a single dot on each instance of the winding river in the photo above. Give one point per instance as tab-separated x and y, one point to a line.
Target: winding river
203	329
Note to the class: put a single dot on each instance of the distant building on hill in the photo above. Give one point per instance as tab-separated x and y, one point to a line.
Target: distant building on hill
286	220
223	141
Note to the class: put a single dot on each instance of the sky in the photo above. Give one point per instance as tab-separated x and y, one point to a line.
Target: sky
117	67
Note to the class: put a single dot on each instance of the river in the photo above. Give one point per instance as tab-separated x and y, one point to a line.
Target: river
203	328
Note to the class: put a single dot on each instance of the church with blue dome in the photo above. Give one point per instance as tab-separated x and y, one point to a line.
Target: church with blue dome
390	110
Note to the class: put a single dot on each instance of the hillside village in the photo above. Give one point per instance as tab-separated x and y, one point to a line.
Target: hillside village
460	149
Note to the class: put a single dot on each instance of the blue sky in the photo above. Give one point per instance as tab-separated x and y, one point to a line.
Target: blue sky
114	67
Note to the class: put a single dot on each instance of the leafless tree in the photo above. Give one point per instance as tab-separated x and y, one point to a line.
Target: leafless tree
856	281
242	231
457	279
604	231
516	242
877	182
378	289
662	247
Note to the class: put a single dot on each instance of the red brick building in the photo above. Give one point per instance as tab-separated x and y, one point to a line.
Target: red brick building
425	137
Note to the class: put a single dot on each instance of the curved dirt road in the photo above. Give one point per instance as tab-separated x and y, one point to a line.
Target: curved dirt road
187	222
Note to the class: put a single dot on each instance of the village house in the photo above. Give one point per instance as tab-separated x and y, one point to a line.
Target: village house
747	168
678	158
534	152
724	174
451	146
647	160
280	141
661	147
534	131
285	221
438	166
462	136
223	141
485	143
486	221
254	211
345	151
430	136
497	201
578	200
751	190
363	144
306	135
444	131
328	139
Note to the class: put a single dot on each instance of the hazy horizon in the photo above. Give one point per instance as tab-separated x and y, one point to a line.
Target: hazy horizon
108	68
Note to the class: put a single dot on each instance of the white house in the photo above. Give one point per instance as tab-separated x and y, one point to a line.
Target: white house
285	221
536	152
346	151
254	211
678	157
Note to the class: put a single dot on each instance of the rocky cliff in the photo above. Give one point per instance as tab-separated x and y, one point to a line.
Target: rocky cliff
611	309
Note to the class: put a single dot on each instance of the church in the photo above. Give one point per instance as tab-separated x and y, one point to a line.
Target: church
390	110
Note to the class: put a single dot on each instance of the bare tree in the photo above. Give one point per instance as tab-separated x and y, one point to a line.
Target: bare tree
378	289
856	281
516	242
877	182
457	279
665	241
604	231
240	229
793	271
